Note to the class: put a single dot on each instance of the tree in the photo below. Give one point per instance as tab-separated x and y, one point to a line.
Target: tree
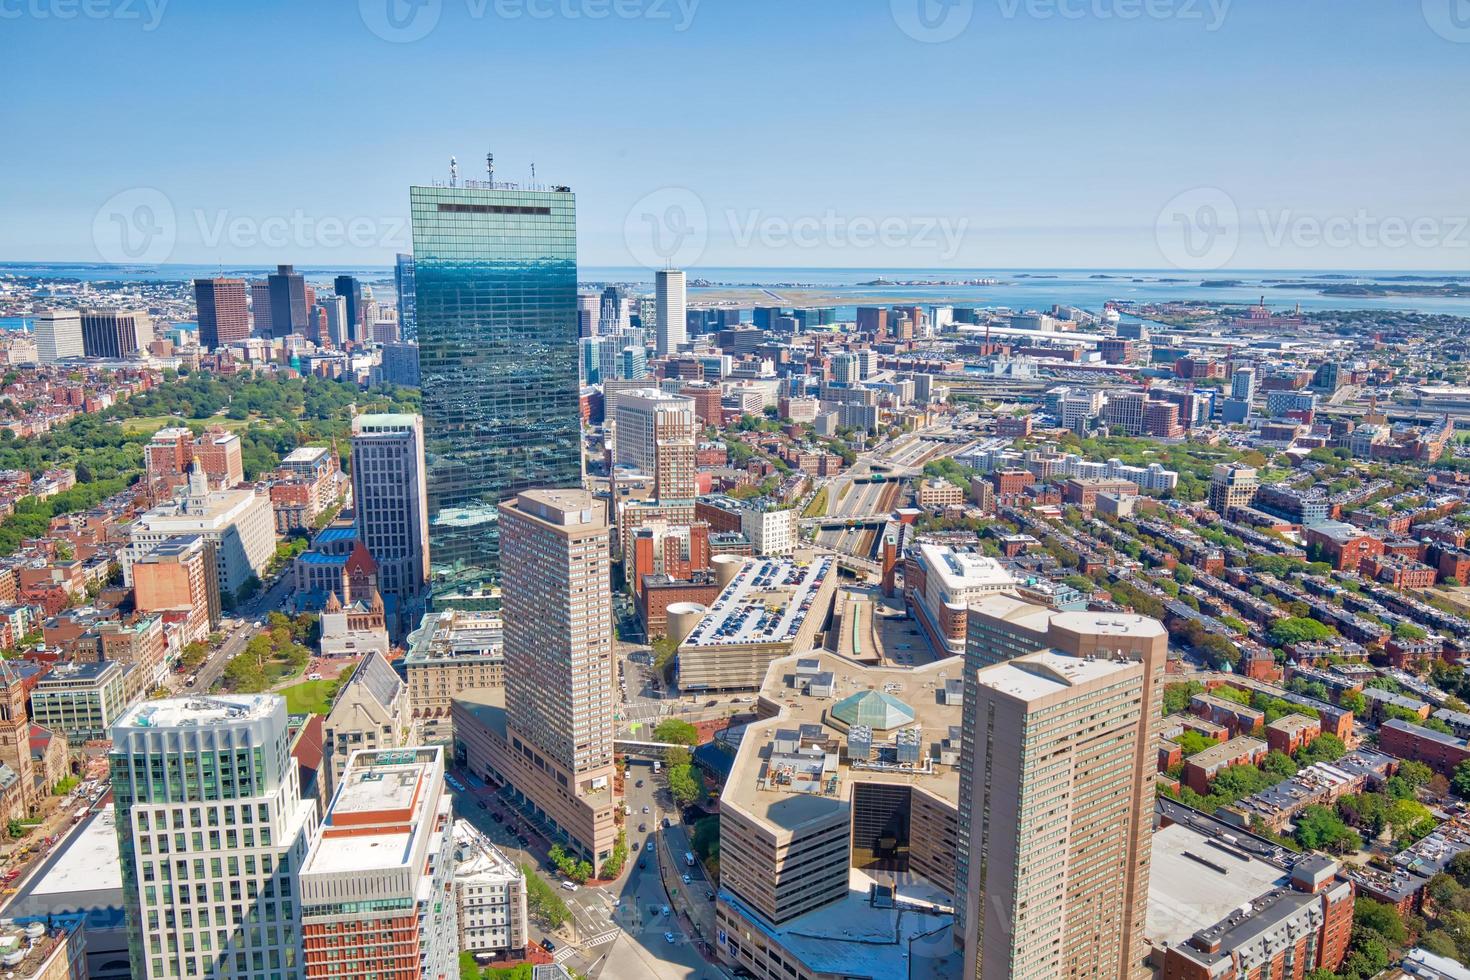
1415	773
676	731
1382	918
1296	629
1353	701
1408	631
1192	743
1177	696
1319	829
1280	764
685	784
1324	748
1460	781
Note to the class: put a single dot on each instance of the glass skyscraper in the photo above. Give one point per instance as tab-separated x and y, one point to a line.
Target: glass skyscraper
495	296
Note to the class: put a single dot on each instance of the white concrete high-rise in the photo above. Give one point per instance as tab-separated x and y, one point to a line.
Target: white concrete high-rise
58	335
670	296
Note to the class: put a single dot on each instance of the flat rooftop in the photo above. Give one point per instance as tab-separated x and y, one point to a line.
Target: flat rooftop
1047	672
187	712
455	634
1014	611
87	861
766	602
960	571
855	938
787	803
378	808
1197	881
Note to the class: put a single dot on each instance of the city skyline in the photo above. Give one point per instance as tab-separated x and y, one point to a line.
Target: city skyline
1037	180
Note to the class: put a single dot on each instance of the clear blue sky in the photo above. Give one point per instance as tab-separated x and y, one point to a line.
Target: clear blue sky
1051	132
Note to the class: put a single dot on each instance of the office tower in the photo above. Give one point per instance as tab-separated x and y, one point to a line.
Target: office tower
614	314
495	281
389	497
872	320
407	307
177	579
635	363
657	433
589	315
1232	486
1243	384
337	323
867	363
288	302
115	334
377	886
211	828
590	362
401	363
58	335
350	290
1328	377
222	314
669	294
845	368
260	308
1062	804
560	684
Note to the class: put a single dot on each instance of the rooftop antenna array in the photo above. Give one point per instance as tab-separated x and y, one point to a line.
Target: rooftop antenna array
453	172
490	168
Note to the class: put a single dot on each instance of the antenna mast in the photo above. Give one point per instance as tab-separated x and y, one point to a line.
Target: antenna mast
453	172
490	169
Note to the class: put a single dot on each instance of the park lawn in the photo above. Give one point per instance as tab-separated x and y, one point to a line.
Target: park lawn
148	424
309	697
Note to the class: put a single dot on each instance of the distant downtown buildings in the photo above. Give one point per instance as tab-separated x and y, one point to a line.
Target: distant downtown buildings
670	310
495	294
223	315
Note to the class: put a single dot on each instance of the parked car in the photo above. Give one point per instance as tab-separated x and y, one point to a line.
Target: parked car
569	886
665	910
548	945
686	879
669	938
643	828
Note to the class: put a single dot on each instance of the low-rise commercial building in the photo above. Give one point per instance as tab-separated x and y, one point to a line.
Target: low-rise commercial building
452	651
772	607
80	700
491	891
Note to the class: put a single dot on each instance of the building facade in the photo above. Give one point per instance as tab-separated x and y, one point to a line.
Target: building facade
390	500
495	287
211	833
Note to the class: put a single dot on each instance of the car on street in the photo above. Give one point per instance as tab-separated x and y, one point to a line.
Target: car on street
497	818
650	845
481	804
645	809
664	910
571	886
642	863
667	824
709	895
643	828
669	938
639	784
548	945
686	879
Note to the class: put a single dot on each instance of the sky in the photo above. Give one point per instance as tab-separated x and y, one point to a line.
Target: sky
875	134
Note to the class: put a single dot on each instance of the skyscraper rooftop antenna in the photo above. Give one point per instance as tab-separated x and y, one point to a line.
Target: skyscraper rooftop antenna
490	168
533	174
453	172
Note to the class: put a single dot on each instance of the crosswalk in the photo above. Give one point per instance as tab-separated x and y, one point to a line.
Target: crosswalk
605	937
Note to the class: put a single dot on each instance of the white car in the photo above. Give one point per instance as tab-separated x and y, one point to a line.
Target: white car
669	938
570	886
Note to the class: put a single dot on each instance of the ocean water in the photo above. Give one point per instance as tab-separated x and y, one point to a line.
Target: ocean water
1017	289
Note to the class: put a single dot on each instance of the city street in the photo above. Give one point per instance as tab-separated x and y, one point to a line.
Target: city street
618	930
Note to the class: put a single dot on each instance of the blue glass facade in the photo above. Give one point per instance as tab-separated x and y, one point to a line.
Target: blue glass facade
495	296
